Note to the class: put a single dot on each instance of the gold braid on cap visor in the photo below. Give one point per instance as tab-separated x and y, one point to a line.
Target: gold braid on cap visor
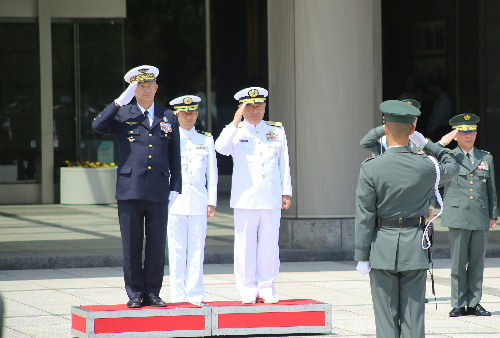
465	127
186	108
254	100
143	77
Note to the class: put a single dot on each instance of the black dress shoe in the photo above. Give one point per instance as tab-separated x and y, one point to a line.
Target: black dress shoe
478	310
457	312
134	302
153	300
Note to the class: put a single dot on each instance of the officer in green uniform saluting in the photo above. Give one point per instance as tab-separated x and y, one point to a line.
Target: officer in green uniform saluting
470	210
391	203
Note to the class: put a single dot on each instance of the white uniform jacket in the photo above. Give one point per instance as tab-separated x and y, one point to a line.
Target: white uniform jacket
199	174
261	170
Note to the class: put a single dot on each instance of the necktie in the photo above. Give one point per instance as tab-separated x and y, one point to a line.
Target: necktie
469	161
146	113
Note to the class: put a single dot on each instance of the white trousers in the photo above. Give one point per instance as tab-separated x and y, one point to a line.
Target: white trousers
256	251
186	251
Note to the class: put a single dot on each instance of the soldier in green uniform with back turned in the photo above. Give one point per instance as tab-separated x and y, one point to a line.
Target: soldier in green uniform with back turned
392	199
470	210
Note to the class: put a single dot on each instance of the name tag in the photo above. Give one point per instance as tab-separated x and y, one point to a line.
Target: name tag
242	140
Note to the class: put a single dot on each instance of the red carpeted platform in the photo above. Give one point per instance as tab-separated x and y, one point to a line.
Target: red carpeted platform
175	320
214	318
287	316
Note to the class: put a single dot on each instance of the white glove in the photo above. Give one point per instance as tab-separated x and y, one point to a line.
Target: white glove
171	198
418	139
127	95
363	268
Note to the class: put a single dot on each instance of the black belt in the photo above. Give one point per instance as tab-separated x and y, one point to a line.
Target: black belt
400	222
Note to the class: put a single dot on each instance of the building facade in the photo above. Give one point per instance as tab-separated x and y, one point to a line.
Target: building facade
327	64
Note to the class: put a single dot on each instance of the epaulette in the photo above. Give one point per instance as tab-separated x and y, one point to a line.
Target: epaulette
485	151
204	133
274	124
368	159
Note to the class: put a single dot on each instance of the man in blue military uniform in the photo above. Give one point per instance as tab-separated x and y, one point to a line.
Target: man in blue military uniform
470	210
392	199
149	176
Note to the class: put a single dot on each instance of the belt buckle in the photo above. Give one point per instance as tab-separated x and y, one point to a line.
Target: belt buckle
400	222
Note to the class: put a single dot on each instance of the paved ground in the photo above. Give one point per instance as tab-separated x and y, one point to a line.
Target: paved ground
39	301
46	252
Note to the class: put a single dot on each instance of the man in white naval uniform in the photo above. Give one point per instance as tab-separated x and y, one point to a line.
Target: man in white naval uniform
187	221
261	187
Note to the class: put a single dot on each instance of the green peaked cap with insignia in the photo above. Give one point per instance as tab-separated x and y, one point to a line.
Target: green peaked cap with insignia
464	122
412	102
399	111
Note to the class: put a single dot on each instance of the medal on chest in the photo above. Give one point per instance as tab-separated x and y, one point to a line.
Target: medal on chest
271	136
165	126
483	166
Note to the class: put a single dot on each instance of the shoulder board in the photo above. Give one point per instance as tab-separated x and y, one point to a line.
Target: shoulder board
204	133
484	151
368	159
274	124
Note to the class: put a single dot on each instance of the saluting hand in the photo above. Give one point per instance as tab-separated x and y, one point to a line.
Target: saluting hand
286	201
446	139
239	114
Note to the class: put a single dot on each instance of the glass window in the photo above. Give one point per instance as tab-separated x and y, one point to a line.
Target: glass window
19	102
87	63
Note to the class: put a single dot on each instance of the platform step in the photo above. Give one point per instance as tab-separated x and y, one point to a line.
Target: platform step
211	318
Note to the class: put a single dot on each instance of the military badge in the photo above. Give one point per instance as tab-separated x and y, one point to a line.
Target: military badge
131	123
165	119
131	139
271	136
483	166
253	92
165	127
201	146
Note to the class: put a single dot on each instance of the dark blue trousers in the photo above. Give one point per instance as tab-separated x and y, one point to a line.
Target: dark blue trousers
143	225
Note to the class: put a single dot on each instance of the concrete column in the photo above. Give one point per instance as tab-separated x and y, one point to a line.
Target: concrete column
325	83
46	102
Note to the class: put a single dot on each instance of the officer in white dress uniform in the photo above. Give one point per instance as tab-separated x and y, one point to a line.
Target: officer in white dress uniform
187	221
261	187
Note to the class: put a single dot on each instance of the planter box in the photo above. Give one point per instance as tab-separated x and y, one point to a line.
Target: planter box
88	185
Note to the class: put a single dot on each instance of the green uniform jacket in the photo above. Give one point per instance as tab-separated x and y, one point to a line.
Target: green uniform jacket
470	199
397	184
371	141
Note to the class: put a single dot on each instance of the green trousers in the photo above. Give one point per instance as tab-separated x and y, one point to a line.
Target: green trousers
468	249
399	302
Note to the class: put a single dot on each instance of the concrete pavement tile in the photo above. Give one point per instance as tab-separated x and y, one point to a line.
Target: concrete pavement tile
12	333
50	301
223	269
101	296
20	285
15	309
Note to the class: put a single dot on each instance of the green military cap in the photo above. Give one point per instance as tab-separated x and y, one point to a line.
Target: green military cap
399	111
464	122
412	102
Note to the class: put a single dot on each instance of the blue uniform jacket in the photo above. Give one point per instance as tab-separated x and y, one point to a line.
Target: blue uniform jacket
150	162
